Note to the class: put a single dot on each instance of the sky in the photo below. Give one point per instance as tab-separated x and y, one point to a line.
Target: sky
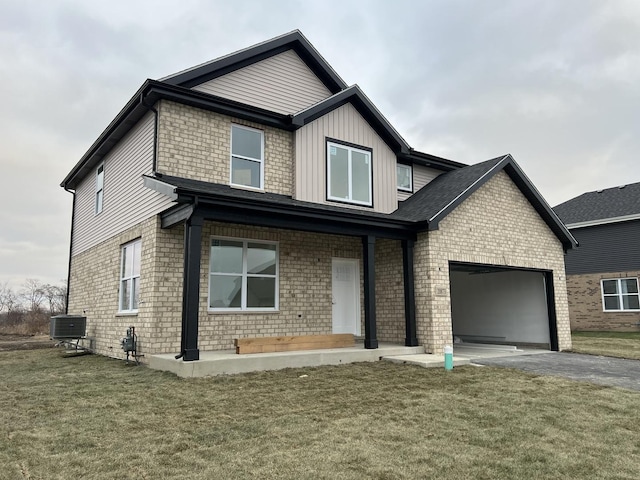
554	83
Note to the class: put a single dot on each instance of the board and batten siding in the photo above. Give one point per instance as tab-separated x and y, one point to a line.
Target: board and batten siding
282	83
612	247
421	176
126	201
344	123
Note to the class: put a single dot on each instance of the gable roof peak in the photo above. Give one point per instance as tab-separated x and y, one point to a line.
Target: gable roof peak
293	40
355	96
433	202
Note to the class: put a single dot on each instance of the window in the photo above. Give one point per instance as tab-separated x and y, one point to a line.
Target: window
349	174
99	188
247	153
405	180
130	276
243	275
620	294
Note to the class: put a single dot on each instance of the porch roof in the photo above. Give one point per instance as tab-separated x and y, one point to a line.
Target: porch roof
224	203
422	211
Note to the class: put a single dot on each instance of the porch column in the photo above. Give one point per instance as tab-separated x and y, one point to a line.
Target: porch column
551	308
368	255
191	287
411	339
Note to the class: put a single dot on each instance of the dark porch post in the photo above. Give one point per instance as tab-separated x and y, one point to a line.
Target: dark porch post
411	339
191	287
551	308
368	255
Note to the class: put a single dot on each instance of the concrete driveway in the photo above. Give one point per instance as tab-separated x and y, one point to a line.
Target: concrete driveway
614	372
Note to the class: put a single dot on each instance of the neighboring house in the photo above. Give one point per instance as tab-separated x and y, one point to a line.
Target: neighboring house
603	273
260	195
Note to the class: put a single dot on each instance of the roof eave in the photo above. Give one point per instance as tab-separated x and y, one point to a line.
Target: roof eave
540	204
294	40
147	95
432	161
509	165
603	221
116	123
365	107
184	195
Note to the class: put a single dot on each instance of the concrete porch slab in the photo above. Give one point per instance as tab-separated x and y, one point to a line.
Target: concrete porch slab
479	351
426	360
464	355
227	362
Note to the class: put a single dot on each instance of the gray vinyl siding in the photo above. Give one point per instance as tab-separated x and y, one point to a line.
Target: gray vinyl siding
421	176
346	124
282	83
613	247
126	201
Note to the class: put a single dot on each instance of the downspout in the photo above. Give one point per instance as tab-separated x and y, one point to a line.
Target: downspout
155	134
73	216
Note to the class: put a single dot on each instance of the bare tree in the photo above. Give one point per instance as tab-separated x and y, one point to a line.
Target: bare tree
7	298
56	297
32	293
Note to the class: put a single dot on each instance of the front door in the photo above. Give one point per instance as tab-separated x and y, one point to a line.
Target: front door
345	295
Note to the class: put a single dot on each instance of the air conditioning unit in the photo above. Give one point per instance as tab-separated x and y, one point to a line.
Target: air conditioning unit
68	327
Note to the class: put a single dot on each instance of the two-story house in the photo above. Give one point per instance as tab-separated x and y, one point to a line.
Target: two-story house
602	275
260	195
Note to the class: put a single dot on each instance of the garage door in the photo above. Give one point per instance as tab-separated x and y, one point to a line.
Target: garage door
492	304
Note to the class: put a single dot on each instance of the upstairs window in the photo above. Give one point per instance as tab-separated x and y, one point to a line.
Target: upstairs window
620	294
99	188
247	157
405	177
130	276
349	177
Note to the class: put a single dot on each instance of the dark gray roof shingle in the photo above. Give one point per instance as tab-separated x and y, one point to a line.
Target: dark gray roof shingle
442	191
601	204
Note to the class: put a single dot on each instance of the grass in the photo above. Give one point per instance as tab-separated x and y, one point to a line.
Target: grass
611	344
98	418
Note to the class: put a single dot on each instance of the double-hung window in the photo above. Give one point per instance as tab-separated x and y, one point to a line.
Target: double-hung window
620	294
130	276
349	175
243	275
247	157
405	180
99	188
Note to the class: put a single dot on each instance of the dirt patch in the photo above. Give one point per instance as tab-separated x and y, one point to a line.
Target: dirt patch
10	342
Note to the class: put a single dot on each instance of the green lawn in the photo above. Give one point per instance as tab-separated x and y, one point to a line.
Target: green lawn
611	344
96	418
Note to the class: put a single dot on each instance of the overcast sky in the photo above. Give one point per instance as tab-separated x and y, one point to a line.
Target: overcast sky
554	83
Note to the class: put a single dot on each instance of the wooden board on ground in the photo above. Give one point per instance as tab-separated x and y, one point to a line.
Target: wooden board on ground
288	344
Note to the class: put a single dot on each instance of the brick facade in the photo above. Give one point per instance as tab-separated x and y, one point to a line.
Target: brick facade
585	304
305	289
94	289
480	230
195	143
390	320
496	225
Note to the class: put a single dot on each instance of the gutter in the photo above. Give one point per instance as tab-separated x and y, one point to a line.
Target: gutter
603	221
73	216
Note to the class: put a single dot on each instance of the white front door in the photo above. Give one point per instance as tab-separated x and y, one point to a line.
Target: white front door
345	295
